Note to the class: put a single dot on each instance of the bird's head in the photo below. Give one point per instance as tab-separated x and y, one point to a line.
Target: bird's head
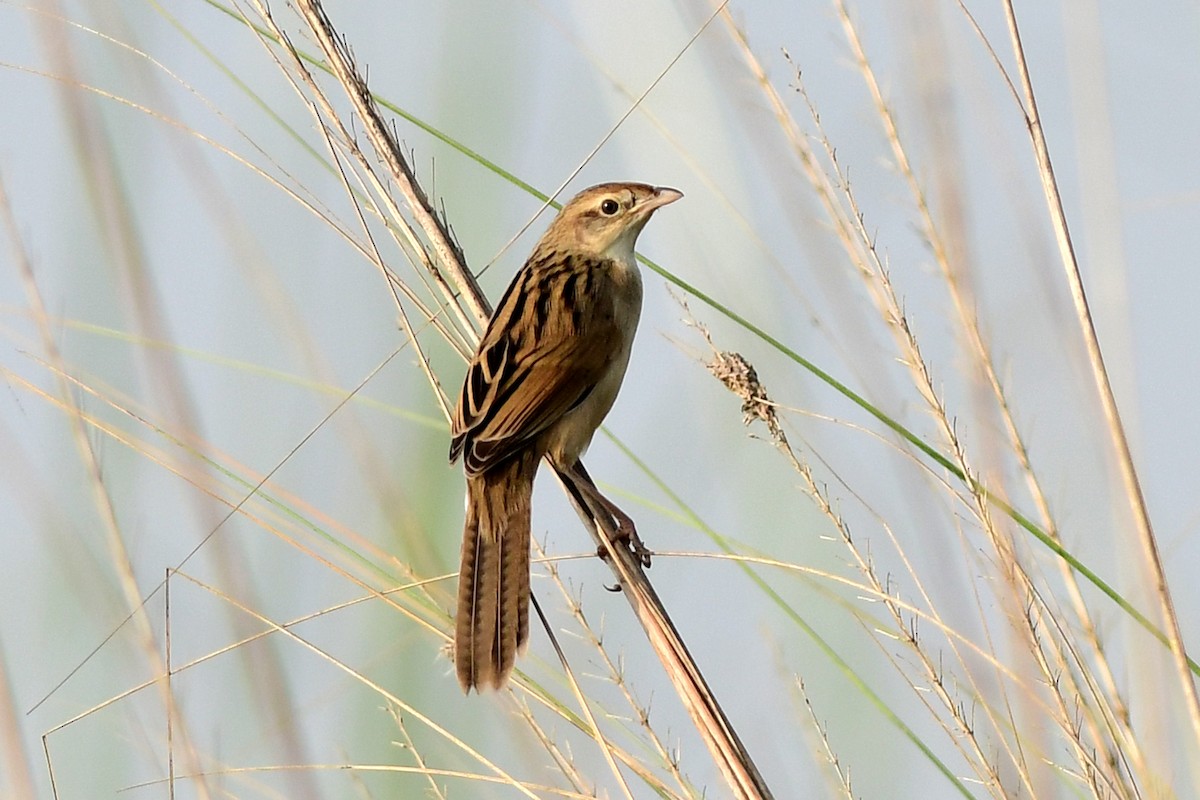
606	219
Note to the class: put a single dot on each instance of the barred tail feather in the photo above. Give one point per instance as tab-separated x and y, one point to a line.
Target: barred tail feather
492	620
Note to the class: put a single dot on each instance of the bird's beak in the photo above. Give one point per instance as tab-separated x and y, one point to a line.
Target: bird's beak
662	196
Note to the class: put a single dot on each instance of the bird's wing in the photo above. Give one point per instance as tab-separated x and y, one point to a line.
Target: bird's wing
542	354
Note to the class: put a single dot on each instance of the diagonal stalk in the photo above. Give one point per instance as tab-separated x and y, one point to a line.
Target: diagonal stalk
1108	401
730	755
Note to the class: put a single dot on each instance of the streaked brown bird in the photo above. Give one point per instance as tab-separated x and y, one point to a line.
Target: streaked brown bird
547	371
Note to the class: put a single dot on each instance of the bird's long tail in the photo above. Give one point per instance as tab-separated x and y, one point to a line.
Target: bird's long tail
492	620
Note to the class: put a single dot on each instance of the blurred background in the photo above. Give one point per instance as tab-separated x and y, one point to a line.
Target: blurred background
184	311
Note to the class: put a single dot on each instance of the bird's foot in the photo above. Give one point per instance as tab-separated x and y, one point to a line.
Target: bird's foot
627	536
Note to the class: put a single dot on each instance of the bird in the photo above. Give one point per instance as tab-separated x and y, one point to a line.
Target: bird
546	372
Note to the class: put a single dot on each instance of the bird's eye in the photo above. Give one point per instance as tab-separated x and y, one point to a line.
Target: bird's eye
610	207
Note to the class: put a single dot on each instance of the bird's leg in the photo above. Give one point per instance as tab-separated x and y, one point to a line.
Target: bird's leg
626	530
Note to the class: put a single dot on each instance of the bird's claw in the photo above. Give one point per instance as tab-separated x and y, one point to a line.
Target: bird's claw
627	536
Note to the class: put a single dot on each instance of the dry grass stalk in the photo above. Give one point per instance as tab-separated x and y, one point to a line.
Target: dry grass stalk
1066	668
1024	601
1108	401
740	377
732	759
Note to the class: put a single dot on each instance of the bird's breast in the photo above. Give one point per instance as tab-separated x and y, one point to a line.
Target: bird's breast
621	284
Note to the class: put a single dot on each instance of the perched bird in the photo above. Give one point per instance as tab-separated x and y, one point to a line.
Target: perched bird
547	371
